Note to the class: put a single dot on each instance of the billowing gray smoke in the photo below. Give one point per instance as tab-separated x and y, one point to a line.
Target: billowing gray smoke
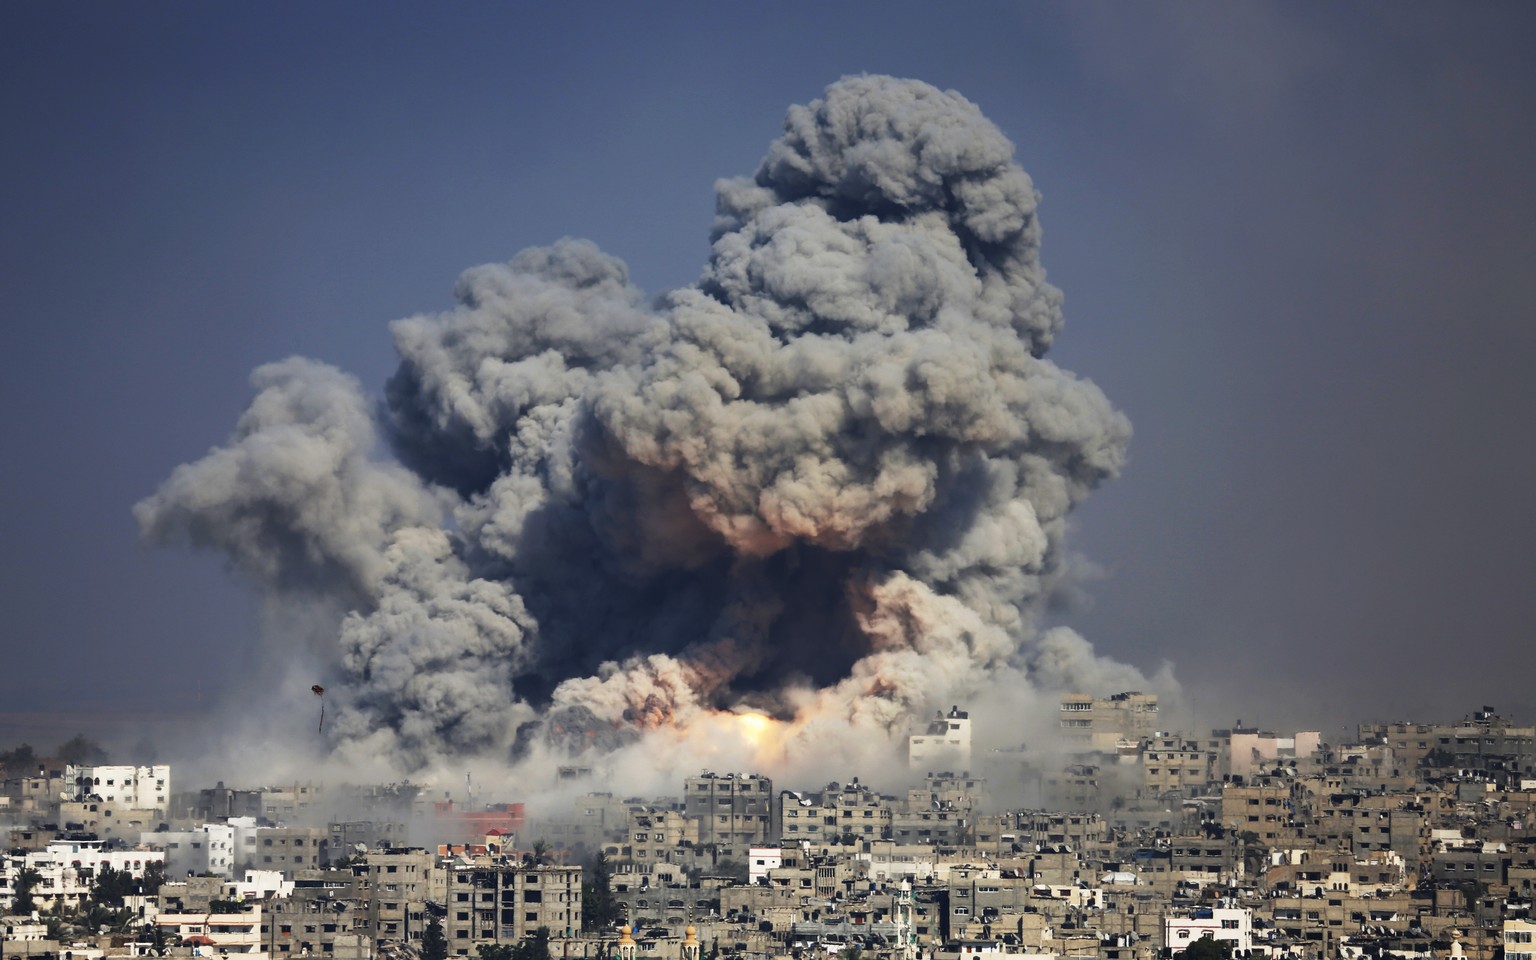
828	481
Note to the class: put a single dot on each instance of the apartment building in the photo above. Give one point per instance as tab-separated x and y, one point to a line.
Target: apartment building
216	803
733	811
1229	925
494	901
139	788
1173	764
1410	742
348	837
225	933
304	925
207	848
944	744
1372	822
1490	744
399	885
1518	937
1076	786
67	869
1262	809
1093	725
657	835
108	821
838	811
888	862
290	802
289	849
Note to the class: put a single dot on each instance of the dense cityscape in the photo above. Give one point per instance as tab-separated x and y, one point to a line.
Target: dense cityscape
1412	840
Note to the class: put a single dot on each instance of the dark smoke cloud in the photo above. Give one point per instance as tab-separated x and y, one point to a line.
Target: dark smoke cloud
294	499
829	481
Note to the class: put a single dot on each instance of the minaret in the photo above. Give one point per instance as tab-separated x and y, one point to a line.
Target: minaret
906	939
626	943
691	943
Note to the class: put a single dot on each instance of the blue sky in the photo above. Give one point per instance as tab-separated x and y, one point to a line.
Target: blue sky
1294	240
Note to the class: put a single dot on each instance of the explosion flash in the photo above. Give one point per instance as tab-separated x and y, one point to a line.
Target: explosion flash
755	727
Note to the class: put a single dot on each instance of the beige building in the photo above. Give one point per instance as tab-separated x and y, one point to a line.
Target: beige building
494	901
1093	725
1176	765
837	812
733	812
323	922
1410	742
656	835
289	802
1075	787
1259	809
288	849
228	933
109	821
399	884
1520	940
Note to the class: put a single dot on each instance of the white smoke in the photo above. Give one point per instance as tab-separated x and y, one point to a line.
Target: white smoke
829	481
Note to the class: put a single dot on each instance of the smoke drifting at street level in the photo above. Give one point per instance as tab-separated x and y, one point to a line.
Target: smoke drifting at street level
827	483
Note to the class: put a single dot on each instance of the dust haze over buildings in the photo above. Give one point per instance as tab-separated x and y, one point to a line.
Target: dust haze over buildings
776	517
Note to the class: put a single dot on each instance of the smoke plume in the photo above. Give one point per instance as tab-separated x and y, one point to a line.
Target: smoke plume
827	483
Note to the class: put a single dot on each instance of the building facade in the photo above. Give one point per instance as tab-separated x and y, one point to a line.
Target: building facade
734	812
495	901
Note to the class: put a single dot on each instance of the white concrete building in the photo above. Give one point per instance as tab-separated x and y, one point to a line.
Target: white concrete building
139	788
68	869
260	884
945	744
761	861
1232	925
888	862
209	848
244	854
